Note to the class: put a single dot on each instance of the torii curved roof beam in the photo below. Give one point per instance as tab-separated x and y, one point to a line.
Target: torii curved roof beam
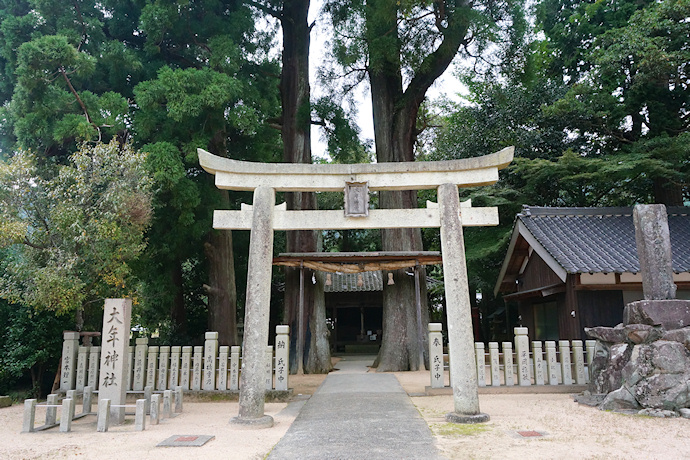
294	177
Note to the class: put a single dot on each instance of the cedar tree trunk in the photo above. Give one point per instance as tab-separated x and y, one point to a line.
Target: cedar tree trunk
395	115
296	134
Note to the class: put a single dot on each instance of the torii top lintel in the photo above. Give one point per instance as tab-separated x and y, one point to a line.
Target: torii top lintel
296	177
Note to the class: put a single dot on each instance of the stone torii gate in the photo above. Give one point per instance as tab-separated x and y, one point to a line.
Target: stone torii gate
356	181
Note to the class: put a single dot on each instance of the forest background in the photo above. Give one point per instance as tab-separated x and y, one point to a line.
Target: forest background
104	104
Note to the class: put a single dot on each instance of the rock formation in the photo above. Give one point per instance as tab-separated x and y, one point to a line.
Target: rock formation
643	364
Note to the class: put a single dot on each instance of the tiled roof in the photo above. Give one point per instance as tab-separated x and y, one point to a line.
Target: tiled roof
593	240
347	282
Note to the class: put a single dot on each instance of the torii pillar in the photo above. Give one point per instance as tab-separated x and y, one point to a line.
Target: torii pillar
263	218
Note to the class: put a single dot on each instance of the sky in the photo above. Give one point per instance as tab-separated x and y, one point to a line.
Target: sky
447	85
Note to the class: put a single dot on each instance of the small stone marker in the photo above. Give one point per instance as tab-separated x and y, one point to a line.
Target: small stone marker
155	409
70	347
579	358
148	392
495	364
210	352
94	364
51	410
269	367
522	349
481	364
82	367
235	368
186	367
551	362
167	404
566	368
140	351
436	355
66	415
117	315
29	415
163	362
151	366
178	399
140	415
175	366
186	441
130	367
223	356
282	357
508	364
87	400
198	360
538	358
103	419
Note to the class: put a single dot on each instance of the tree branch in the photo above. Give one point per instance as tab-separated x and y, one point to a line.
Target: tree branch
79	101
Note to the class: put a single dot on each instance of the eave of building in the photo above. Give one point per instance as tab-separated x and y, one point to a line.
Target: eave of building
515	257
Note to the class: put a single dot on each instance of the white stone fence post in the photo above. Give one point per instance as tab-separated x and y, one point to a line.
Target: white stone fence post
531	363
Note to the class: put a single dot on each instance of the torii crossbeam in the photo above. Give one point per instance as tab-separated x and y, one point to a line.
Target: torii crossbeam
356	180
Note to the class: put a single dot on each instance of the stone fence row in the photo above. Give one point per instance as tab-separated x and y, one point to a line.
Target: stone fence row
199	368
565	365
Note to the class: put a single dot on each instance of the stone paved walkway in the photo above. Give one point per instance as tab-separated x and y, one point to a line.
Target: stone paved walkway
357	414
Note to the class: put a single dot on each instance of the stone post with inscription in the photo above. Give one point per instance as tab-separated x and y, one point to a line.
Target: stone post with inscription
653	242
538	358
94	364
282	357
140	351
522	351
481	363
508	374
175	366
163	367
566	366
223	355
70	347
551	362
495	364
130	367
436	355
235	367
197	367
269	367
186	367
117	316
151	366
210	355
82	367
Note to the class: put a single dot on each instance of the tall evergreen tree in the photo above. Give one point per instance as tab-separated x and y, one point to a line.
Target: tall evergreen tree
402	48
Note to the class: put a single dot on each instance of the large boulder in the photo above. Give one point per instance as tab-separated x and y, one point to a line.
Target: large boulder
663	391
607	334
607	367
678	335
642	333
670	314
620	400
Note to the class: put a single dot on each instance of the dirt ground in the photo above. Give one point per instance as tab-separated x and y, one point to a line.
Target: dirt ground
568	430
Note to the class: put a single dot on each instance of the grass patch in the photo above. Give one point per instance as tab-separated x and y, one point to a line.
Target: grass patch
459	429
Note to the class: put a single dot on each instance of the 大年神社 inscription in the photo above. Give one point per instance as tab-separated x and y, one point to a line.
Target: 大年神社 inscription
117	315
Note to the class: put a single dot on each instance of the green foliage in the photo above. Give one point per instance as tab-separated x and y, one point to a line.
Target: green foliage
30	341
75	233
